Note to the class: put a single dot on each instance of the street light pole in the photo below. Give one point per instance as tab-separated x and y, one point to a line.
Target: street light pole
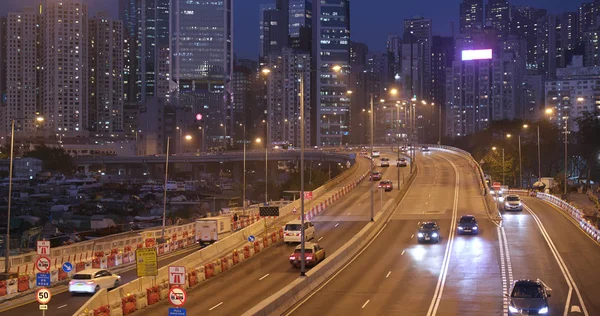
267	162
539	158
520	164
244	177
566	151
10	176
302	140
503	167
440	124
372	161
165	191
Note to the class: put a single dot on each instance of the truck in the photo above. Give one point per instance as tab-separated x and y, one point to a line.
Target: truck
212	229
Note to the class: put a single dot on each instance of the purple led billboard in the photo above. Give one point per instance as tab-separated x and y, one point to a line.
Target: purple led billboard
476	54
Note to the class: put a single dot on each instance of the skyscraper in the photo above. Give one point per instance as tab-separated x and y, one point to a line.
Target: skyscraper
394	48
471	16
105	75
153	49
22	51
587	17
524	24
202	45
416	58
65	63
275	29
300	24
331	47
498	16
129	13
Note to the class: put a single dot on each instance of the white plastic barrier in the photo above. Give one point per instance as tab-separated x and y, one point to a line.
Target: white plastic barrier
575	213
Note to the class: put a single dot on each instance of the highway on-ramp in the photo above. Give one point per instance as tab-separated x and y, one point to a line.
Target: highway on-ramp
394	275
247	284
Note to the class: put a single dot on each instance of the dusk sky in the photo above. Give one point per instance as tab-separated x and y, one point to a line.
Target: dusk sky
371	20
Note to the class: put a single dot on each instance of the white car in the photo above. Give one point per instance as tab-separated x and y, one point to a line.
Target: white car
92	280
385	162
376	153
293	229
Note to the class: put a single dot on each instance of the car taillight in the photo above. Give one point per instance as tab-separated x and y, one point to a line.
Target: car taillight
287	234
292	257
308	257
89	282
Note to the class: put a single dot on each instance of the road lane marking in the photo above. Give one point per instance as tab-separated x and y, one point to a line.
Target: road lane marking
349	213
356	256
439	289
336	224
210	309
320	238
62	306
561	264
575	309
403	251
504	261
365	304
264	276
412	236
388	274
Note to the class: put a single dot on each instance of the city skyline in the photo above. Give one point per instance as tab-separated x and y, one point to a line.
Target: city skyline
372	32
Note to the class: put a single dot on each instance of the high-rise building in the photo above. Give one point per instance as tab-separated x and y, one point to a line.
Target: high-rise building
524	24
331	47
264	28
573	92
202	44
276	28
360	87
129	14
22	50
3	41
153	51
65	64
471	16
394	48
498	16
442	55
105	68
244	72
556	42
300	25
588	17
283	109
591	40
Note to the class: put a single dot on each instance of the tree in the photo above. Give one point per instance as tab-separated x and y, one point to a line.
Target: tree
587	142
492	165
53	159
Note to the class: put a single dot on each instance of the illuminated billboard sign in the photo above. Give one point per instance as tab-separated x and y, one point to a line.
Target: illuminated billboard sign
476	54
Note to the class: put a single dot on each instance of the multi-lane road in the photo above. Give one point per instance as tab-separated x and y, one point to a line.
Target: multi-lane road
463	275
234	292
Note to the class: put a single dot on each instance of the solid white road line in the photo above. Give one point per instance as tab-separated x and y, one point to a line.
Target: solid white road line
563	267
210	309
264	276
365	304
62	306
388	274
505	277
320	238
412	236
402	254
336	224
439	289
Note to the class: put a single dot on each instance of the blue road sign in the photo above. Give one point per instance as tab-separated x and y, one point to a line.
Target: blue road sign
177	311
42	279
67	267
251	238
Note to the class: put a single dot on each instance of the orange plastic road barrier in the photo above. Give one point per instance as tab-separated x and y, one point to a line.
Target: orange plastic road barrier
2	288
193	278
273	237
23	283
235	257
128	304
110	261
96	263
114	251
224	264
99	254
246	252
281	233
62	275
79	266
209	271
102	311
256	247
152	294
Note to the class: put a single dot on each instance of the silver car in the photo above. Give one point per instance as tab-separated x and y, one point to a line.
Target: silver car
513	202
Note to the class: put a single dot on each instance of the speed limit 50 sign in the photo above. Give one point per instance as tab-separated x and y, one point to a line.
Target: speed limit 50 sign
43	295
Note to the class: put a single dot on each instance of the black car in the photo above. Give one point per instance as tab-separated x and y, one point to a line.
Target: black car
529	297
467	225
428	231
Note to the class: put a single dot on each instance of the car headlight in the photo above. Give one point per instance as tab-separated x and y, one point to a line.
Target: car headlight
460	228
420	235
512	309
543	310
434	235
492	192
474	227
520	203
506	204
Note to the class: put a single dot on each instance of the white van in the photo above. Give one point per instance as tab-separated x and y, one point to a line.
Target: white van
291	232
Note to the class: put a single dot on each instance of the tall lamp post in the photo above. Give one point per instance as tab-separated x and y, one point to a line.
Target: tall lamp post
520	161
38	119
525	126
244	176
162	234
494	149
566	118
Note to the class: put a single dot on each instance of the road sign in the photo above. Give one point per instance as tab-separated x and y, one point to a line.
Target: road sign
348	164
67	267
177	296
177	312
294	210
308	195
268	211
43	264
251	238
43	295
145	262
177	275
43	247
42	279
496	185
43	307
